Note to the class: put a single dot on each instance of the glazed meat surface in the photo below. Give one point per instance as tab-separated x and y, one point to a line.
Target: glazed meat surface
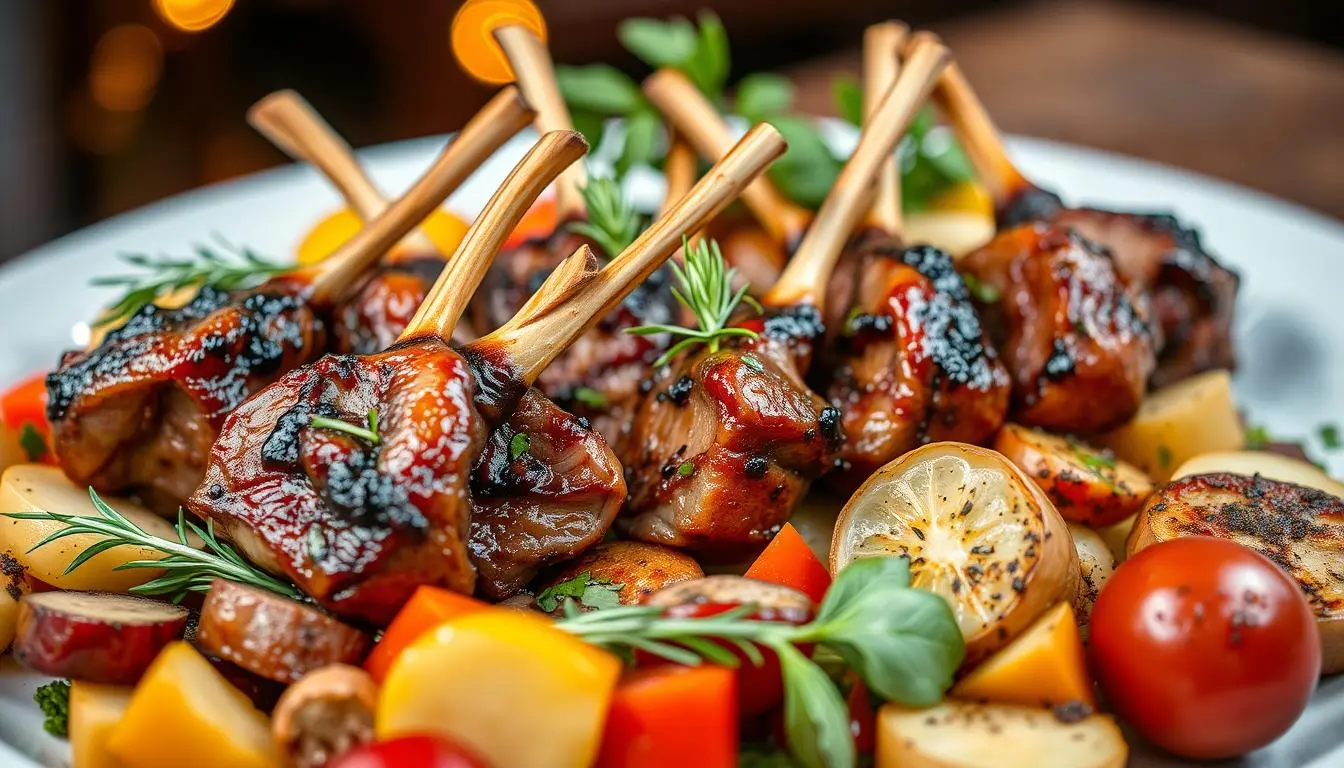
725	443
1193	295
138	413
374	317
911	364
357	526
1074	334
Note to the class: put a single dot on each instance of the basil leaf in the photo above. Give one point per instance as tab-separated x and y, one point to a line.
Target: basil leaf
865	573
904	643
599	596
711	64
762	94
599	88
642	130
808	170
658	43
815	717
848	95
941	149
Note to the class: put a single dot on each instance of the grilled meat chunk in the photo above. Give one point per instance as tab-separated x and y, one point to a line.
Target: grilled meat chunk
1075	336
373	318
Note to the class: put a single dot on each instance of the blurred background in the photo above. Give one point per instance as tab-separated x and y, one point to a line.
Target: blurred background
106	106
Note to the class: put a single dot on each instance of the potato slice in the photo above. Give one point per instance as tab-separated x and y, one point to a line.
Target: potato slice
978	532
957	232
959	734
1096	563
1117	537
1043	667
1176	423
13	586
40	488
95	711
1275	466
1085	485
1301	529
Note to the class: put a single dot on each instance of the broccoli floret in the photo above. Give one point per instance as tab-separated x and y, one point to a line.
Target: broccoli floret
54	699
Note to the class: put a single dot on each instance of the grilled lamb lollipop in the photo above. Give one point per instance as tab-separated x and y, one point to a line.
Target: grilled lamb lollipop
379	311
139	412
909	363
1193	295
730	436
359	517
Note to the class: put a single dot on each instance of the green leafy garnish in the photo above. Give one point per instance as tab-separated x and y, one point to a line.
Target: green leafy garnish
1257	437
187	569
981	292
686	469
751	362
165	274
706	289
590	397
597	594
848	96
33	444
1330	436
1164	457
613	223
902	642
700	52
368	432
518	445
54	700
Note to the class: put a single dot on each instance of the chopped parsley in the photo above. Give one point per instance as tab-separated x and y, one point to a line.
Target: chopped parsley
1330	437
1164	457
518	445
33	444
590	592
590	397
981	292
753	363
54	700
1257	437
686	469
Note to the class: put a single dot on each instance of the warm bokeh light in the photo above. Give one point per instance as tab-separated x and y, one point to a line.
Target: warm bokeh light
474	43
193	15
443	228
125	68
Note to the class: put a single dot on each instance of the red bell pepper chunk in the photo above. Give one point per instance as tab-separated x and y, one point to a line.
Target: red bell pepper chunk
23	410
539	221
788	560
670	716
428	608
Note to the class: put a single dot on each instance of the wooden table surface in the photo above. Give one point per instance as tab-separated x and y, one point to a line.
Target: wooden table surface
1260	110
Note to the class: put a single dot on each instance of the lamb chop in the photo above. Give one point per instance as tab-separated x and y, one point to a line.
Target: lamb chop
1193	295
139	412
730	436
909	363
379	311
359	516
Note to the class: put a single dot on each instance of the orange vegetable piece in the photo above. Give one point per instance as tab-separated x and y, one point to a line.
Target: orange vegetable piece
539	221
473	36
1044	666
671	716
788	560
428	608
26	433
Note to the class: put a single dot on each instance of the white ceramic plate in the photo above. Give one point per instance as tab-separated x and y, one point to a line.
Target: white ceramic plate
1292	351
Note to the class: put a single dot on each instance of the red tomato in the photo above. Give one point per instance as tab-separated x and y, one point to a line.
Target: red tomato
410	752
1205	647
862	717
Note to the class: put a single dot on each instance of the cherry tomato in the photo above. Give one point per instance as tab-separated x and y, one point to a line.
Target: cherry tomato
1205	647
410	752
862	717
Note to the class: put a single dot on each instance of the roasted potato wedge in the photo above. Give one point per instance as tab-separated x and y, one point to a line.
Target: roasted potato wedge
1177	423
1299	528
13	586
1095	566
641	569
1086	485
1274	466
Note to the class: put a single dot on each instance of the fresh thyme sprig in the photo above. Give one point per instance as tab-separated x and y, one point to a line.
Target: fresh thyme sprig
368	433
706	289
187	569
164	275
903	642
613	222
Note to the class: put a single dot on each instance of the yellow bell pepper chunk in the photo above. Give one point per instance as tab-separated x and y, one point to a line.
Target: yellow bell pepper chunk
443	228
183	712
511	686
1044	667
95	711
965	196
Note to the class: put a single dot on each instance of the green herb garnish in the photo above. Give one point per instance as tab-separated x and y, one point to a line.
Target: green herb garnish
1164	457
187	569
686	469
613	223
706	289
1257	437
368	432
981	292
904	643
165	274
751	362
1330	436
54	700
590	397
33	444
597	594
518	445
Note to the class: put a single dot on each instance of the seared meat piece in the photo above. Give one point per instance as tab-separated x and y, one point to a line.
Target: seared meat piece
912	364
137	414
1076	337
1193	295
377	314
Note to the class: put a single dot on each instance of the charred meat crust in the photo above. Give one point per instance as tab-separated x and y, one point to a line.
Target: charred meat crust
374	318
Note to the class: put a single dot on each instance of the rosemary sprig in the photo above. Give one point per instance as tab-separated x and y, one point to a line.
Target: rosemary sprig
164	275
368	433
706	289
187	569
613	223
904	643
